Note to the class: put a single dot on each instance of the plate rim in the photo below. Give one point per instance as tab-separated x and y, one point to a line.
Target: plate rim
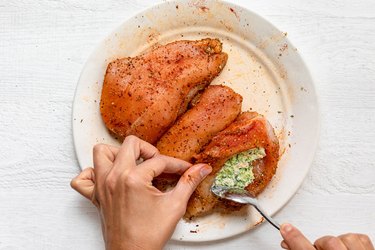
302	58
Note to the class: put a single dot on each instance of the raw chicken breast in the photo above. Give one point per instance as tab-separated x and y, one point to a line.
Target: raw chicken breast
144	95
215	109
250	130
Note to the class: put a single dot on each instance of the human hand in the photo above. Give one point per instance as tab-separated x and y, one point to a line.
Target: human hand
134	214
295	240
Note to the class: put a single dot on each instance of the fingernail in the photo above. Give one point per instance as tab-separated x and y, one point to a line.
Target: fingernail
286	228
284	245
205	170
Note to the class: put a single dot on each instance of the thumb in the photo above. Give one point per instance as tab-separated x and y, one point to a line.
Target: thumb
294	239
190	180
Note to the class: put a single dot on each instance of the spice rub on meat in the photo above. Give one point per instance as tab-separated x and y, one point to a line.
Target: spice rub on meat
144	95
215	109
211	112
148	96
250	130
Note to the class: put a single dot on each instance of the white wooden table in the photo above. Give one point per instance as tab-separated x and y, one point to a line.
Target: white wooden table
43	46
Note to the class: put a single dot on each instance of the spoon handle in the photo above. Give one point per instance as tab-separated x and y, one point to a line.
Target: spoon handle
268	218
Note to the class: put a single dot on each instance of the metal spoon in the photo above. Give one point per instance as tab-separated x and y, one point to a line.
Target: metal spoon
243	197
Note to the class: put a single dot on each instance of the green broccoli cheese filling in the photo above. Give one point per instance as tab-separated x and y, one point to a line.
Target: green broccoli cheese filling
237	172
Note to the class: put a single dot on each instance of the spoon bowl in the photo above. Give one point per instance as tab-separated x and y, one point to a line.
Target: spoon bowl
242	196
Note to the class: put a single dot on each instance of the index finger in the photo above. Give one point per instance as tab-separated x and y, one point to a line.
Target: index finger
84	183
162	164
103	155
131	150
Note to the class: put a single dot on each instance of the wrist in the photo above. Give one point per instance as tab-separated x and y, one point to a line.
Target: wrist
130	245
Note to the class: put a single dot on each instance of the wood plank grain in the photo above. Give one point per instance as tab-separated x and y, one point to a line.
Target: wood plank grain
43	47
64	220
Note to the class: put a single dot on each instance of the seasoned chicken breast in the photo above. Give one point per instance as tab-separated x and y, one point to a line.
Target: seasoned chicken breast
216	108
250	130
144	95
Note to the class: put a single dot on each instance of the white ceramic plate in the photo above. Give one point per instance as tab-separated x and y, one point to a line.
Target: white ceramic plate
263	66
